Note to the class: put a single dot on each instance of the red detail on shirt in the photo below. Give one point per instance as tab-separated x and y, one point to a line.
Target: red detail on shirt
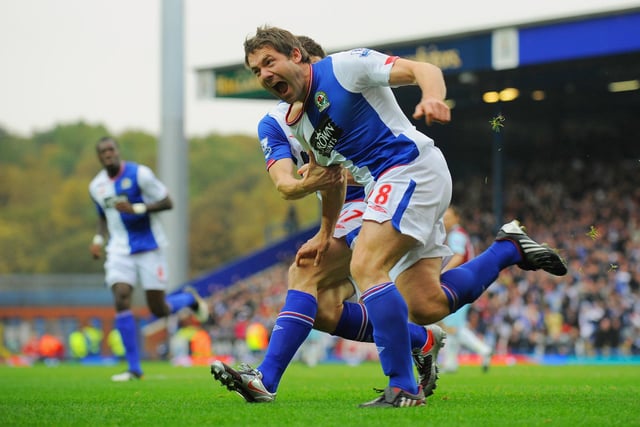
391	60
270	163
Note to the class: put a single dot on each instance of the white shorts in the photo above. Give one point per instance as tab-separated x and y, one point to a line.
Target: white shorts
149	269
348	227
350	221
414	198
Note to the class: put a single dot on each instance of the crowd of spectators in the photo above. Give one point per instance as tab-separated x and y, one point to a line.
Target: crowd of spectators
587	210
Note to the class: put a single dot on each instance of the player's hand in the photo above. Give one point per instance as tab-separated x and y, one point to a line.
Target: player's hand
96	251
314	248
317	178
433	110
124	206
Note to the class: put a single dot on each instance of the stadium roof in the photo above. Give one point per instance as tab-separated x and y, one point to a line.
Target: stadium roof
515	48
576	79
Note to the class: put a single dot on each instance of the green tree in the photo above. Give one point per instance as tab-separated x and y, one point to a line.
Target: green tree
48	218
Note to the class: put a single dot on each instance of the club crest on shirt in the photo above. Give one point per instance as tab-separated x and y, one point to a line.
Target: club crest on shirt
325	136
321	100
126	183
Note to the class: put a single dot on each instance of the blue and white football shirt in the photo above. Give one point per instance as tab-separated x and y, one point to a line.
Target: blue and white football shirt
352	117
129	233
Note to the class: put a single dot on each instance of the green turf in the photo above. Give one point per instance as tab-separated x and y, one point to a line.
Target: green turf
326	395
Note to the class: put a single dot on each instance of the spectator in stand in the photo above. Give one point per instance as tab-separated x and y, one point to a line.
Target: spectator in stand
460	335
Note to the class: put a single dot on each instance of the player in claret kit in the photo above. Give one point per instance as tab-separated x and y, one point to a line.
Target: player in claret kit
456	324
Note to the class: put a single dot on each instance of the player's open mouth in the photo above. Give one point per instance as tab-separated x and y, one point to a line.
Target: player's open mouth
281	87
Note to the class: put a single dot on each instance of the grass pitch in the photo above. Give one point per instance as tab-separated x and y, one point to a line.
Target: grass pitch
325	395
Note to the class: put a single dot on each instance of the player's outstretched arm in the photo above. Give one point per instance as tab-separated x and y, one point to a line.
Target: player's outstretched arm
431	82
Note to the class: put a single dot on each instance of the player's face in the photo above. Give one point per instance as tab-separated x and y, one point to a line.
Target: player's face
109	155
281	75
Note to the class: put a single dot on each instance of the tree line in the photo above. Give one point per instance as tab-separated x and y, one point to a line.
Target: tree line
47	218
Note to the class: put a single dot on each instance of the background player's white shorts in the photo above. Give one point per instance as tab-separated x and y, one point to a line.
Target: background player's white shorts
350	221
348	227
149	269
414	198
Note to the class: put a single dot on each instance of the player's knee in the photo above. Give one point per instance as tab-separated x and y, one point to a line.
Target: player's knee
302	279
360	270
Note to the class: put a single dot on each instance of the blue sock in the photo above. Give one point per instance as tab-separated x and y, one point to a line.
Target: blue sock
388	312
465	283
354	323
126	325
291	329
418	335
180	300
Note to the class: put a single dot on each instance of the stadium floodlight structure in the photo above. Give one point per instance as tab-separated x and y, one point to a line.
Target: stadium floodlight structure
173	163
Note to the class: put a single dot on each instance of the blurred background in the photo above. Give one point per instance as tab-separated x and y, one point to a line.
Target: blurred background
545	101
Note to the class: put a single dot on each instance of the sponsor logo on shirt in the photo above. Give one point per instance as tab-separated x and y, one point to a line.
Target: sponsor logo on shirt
325	136
111	201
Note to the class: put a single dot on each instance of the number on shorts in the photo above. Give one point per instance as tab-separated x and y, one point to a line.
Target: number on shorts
383	194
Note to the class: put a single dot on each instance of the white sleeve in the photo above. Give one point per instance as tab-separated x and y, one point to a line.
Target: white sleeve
358	69
153	189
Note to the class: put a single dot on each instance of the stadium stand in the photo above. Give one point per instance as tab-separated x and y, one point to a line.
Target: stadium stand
570	175
586	209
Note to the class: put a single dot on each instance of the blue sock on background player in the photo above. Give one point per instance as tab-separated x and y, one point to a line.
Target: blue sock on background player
465	283
292	327
126	324
355	325
178	301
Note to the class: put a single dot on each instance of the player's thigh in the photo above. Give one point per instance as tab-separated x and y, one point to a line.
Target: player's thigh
152	270
377	250
333	268
120	268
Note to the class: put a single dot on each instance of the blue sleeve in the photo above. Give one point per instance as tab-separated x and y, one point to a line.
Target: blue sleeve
274	141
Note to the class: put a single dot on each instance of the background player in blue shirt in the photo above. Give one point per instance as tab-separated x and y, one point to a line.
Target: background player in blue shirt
127	197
